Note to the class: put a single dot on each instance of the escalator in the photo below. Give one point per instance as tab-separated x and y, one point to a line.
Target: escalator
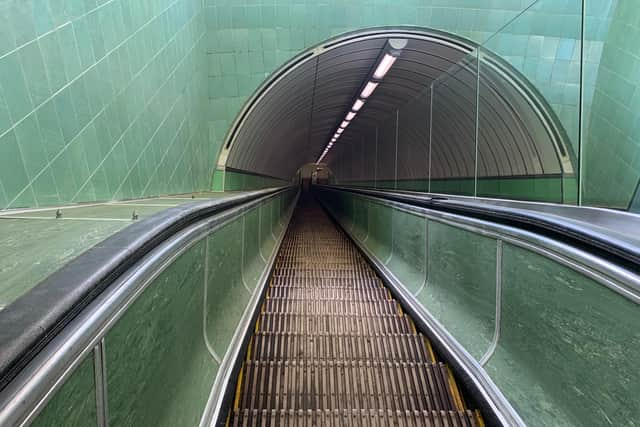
332	347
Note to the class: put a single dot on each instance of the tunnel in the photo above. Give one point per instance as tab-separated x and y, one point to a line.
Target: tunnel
364	213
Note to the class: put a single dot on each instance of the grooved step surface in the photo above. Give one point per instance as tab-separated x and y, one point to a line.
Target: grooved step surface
332	347
346	418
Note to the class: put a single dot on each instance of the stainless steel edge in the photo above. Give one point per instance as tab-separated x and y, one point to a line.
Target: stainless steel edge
100	378
28	393
490	393
498	313
213	410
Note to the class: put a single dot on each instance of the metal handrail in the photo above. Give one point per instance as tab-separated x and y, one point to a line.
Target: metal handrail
582	253
34	385
587	261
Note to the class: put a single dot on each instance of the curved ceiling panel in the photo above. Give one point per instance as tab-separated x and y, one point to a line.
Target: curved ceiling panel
289	122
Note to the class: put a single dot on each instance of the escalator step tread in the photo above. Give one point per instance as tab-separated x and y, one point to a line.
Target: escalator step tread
332	347
334	307
346	418
340	324
391	347
346	385
321	294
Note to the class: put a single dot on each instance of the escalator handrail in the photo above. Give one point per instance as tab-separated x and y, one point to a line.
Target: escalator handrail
589	244
33	320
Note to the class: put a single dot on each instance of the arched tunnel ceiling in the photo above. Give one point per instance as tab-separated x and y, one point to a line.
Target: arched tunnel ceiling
292	120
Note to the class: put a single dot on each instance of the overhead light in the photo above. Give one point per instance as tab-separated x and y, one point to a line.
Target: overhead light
368	89
350	115
336	135
344	124
339	131
334	139
384	66
357	105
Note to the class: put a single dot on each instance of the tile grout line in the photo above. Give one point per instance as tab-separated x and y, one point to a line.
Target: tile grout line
59	27
106	55
50	162
119	140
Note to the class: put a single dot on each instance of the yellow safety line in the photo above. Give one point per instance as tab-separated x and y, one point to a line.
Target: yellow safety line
236	401
249	348
389	294
457	397
432	355
413	326
258	319
227	423
399	309
479	418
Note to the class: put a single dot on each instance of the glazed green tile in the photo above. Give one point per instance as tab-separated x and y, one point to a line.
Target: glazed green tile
14	87
69	49
74	404
461	285
31	146
226	295
35	73
567	344
22	21
11	161
409	260
45	189
158	346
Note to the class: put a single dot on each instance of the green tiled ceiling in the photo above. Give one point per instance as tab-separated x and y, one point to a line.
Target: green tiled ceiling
101	100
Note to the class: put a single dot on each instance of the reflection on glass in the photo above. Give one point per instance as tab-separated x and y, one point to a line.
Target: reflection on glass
453	129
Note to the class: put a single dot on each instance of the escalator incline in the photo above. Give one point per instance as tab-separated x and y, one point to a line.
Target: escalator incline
332	347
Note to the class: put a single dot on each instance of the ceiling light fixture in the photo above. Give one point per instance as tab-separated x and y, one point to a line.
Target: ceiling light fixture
384	66
368	89
392	50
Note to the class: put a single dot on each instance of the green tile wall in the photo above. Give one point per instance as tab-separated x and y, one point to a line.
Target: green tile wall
611	158
101	99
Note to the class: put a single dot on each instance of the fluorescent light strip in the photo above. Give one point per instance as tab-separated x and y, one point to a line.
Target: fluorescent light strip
368	89
339	131
357	105
344	124
350	115
384	66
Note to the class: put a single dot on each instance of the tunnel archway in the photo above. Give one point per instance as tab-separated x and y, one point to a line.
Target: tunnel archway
466	114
